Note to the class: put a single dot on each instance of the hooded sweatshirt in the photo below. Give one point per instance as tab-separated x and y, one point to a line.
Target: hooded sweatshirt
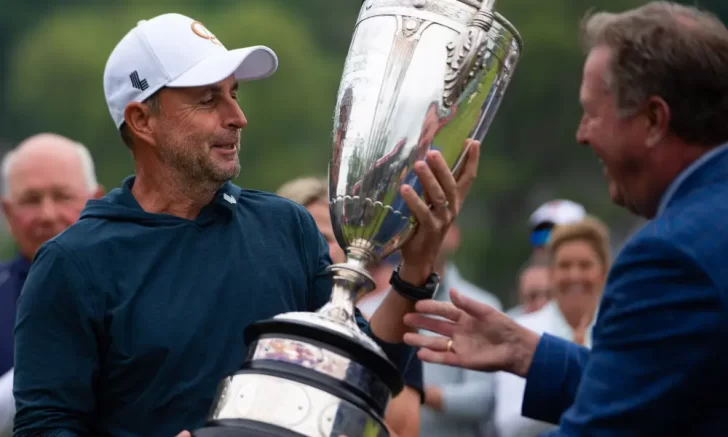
128	320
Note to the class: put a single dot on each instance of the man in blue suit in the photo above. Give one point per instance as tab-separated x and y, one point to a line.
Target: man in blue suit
655	101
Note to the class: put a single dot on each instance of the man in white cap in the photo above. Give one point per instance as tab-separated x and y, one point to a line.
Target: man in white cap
550	214
130	318
533	276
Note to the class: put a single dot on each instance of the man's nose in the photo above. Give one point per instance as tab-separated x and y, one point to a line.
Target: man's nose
48	209
236	118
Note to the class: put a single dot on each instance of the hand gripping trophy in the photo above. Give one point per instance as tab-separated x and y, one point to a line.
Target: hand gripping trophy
419	74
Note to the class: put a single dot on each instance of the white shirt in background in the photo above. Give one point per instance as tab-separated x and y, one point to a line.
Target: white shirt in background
7	404
510	388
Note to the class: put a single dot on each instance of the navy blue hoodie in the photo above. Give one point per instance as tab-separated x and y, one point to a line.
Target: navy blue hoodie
128	320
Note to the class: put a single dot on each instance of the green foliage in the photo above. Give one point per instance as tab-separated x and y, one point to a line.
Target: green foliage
57	78
54	58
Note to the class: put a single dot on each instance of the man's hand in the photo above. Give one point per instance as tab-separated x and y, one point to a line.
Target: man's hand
474	336
446	195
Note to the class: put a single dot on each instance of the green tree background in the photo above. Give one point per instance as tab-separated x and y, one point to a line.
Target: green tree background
52	58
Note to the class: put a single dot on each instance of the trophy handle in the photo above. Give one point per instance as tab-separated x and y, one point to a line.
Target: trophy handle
466	56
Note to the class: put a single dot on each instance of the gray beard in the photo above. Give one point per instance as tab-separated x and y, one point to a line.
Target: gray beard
196	170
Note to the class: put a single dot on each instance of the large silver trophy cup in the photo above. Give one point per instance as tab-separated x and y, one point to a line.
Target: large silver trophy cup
419	75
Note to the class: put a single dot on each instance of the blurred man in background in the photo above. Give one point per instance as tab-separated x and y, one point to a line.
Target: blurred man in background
533	288
46	181
403	412
541	223
458	402
547	216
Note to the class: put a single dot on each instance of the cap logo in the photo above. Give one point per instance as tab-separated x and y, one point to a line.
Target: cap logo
200	30
136	82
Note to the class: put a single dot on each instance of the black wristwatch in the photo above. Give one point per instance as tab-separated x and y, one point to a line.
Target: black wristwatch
412	292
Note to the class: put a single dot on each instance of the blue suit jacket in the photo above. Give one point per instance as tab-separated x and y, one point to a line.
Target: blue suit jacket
660	343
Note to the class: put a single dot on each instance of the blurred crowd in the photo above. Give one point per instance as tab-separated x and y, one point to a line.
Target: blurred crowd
47	179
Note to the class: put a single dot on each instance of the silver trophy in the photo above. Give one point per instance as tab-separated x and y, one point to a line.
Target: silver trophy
419	75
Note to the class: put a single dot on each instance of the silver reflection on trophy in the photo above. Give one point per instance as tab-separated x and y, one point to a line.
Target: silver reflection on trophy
419	75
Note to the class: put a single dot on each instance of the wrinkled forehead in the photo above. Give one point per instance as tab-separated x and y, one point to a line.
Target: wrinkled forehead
37	171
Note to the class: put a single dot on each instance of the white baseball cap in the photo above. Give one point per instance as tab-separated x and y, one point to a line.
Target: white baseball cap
172	50
558	212
553	213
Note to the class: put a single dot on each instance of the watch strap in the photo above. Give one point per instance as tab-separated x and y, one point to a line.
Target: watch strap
413	292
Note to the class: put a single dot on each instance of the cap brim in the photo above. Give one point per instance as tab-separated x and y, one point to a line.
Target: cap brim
249	63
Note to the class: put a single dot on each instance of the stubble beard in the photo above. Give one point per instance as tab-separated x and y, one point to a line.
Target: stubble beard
194	166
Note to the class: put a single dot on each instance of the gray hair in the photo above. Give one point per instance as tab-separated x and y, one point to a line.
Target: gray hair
87	167
676	52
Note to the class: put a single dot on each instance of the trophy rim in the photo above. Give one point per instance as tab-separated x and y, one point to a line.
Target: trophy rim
511	28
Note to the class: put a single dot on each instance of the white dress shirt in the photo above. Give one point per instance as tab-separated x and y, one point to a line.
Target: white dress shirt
7	404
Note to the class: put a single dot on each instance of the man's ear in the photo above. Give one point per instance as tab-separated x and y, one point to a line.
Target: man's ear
99	192
8	213
6	208
137	117
658	117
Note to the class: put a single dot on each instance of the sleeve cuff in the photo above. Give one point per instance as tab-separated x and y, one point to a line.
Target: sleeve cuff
399	353
543	398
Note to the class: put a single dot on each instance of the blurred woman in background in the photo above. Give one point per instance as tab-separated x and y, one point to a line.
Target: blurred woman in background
579	259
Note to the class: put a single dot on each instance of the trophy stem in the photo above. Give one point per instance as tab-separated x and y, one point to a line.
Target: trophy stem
350	279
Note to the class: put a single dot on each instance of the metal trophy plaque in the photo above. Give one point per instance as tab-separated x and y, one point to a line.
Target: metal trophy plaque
419	75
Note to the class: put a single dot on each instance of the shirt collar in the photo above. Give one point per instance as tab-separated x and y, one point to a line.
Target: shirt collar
680	179
225	200
227	197
562	328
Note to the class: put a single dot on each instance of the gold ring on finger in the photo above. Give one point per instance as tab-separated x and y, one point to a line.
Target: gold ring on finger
449	345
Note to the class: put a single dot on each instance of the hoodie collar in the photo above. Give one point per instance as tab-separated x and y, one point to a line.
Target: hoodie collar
224	203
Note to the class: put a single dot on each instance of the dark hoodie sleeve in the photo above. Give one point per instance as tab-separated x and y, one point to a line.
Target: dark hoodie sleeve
56	349
399	353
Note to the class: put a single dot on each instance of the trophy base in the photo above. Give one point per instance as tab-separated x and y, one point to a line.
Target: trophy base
243	428
302	379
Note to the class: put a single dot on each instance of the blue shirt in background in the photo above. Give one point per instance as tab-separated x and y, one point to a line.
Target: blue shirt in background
12	278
